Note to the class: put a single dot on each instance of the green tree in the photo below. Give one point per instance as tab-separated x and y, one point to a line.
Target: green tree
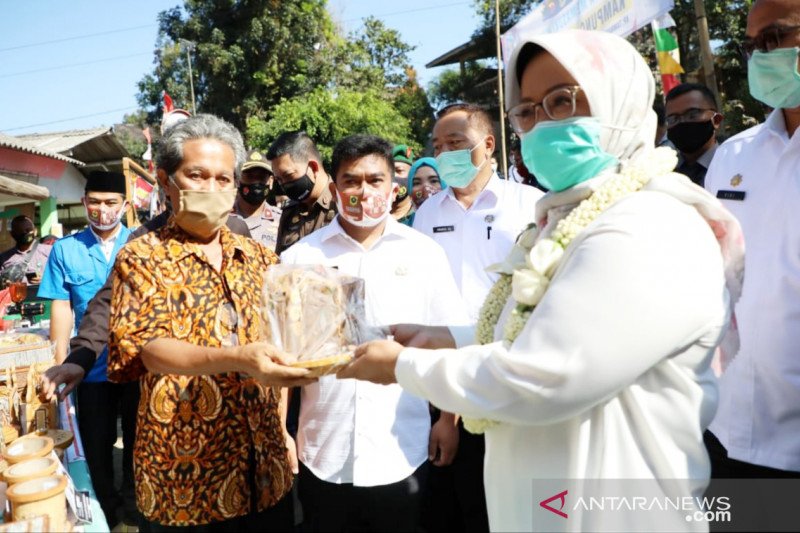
381	51
328	116
248	55
411	101
453	85
376	58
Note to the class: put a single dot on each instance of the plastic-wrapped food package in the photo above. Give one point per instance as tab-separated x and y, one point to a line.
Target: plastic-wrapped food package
315	315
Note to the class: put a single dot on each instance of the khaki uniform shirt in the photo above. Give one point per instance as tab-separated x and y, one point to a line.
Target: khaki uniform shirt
297	220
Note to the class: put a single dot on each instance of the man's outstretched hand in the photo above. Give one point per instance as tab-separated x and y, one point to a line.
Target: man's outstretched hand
69	374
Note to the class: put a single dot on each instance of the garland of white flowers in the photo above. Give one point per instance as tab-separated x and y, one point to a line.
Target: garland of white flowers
526	272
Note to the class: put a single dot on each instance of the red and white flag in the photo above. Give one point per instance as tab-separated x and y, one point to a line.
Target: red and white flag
168	105
148	155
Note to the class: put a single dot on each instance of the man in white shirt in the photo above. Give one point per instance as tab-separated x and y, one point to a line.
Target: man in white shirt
476	220
479	216
364	448
756	432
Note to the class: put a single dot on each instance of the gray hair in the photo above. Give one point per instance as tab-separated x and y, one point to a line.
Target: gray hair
169	154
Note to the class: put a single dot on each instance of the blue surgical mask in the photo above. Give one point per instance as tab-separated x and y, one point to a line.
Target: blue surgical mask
773	77
564	153
456	167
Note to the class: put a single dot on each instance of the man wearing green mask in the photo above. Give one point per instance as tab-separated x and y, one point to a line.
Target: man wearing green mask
28	254
755	174
476	220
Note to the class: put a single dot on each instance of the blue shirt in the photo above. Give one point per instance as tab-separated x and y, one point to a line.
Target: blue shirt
75	271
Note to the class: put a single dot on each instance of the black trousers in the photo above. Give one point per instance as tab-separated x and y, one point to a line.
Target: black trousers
344	507
99	405
760	498
723	467
456	499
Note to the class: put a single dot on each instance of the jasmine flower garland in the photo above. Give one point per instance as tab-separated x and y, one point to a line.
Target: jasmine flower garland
527	281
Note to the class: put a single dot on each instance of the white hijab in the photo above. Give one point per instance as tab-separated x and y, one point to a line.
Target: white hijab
620	88
616	80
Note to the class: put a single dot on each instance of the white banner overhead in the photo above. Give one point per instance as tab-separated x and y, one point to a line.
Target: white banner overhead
622	17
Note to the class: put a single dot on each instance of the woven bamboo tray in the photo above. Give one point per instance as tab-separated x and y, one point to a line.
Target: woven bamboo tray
27	354
324	366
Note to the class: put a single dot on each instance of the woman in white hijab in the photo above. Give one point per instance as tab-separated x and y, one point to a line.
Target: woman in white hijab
594	350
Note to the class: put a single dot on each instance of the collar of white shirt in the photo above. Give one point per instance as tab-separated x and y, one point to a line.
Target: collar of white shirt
493	189
776	124
334	229
110	239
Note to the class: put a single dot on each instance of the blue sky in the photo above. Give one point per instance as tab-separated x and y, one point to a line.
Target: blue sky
67	65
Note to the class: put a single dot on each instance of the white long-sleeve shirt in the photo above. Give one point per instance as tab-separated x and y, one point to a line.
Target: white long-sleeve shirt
609	378
354	431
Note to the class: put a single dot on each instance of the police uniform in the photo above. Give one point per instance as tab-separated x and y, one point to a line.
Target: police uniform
263	224
298	220
76	270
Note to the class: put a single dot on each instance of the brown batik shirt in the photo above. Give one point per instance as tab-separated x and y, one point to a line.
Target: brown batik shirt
196	435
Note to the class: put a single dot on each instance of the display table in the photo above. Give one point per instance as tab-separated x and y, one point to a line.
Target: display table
76	465
39	355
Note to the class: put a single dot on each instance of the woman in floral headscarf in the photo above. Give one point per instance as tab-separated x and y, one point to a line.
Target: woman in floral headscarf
594	352
424	181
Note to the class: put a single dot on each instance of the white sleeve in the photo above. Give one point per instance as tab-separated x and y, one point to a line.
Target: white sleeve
644	282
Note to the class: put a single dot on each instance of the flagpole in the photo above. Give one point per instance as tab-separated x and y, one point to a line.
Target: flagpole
189	45
705	49
500	89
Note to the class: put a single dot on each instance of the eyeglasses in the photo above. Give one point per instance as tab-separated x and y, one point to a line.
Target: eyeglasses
767	40
557	105
693	114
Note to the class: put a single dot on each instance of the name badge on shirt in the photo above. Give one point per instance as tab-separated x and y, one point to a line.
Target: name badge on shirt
731	195
443	229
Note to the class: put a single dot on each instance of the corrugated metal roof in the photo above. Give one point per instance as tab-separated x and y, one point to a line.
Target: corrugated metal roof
97	145
61	141
15	143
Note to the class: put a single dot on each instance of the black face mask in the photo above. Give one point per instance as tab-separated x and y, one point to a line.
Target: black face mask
402	191
688	137
253	193
299	189
24	239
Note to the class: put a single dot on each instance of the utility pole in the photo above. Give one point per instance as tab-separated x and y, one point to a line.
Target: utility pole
705	49
189	45
500	69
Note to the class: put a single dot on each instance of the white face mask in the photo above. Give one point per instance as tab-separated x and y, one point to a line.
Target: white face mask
365	210
104	218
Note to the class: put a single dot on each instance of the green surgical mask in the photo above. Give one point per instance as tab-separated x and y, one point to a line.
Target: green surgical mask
564	153
773	77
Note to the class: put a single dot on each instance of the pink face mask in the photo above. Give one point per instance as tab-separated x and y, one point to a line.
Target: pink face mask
103	218
366	210
420	195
